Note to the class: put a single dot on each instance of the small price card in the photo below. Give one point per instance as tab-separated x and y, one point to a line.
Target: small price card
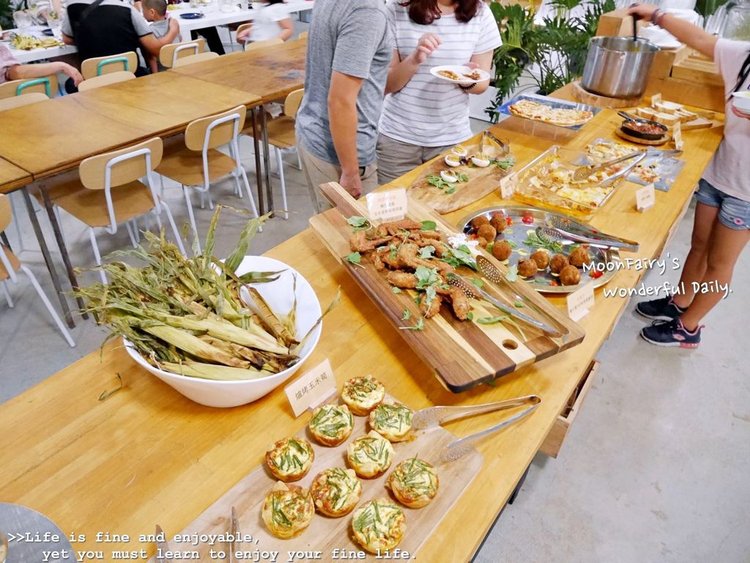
508	185
655	99
312	388
389	205
677	136
581	301
645	198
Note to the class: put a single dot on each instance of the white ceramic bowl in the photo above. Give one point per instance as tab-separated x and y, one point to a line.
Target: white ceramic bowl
741	100
279	296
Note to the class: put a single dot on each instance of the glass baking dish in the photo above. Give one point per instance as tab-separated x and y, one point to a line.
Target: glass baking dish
547	182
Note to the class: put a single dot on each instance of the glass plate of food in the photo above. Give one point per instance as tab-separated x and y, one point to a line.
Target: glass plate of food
510	234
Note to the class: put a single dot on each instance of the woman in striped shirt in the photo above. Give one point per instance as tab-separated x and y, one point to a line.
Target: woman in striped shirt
422	114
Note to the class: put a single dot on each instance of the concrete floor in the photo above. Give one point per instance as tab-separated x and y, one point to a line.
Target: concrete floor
653	470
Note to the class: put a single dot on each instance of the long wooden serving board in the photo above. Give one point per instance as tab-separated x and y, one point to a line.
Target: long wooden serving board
481	181
462	353
325	535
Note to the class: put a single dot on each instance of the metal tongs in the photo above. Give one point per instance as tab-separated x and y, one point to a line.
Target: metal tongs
567	232
583	172
162	547
433	417
234	531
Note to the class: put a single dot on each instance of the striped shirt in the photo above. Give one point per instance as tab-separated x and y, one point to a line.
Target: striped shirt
429	111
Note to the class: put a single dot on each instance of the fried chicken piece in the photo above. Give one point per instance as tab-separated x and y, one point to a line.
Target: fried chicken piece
404	224
404	280
460	304
390	259
377	262
360	242
431	235
432	308
408	253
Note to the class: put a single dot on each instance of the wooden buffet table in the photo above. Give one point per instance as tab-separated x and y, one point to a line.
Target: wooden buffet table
12	177
146	454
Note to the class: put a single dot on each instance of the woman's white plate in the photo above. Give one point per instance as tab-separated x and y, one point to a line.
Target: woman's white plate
459	74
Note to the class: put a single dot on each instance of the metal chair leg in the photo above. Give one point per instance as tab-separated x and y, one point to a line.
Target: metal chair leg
8	298
129	228
177	237
97	256
280	164
249	193
50	308
197	240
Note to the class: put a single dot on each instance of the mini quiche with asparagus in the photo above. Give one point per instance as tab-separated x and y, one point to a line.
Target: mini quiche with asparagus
370	455
290	459
287	510
331	425
336	491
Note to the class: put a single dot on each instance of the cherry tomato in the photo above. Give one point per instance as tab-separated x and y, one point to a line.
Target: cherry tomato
596	274
527	218
509	221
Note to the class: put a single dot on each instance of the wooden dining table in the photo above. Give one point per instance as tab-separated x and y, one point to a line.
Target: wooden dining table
144	454
270	73
12	177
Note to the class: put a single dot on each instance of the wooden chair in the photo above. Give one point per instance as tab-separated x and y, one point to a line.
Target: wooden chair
243	27
281	136
303	35
190	59
10	265
97	66
110	193
198	164
170	53
105	80
262	44
22	100
47	85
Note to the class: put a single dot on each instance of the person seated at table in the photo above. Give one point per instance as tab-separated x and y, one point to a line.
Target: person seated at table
155	12
272	20
423	115
721	228
11	69
99	28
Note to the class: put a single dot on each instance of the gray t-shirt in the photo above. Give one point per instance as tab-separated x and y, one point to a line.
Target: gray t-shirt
350	37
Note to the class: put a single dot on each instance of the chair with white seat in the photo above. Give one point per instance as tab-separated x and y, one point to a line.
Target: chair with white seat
281	137
110	193
96	66
192	59
251	46
22	100
169	54
105	80
10	265
47	85
199	164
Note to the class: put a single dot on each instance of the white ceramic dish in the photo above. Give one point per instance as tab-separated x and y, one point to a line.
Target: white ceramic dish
279	296
741	100
461	71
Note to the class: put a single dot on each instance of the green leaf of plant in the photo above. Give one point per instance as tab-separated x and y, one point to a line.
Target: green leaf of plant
354	258
428	226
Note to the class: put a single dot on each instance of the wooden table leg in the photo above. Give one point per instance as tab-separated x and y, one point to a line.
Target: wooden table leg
63	249
47	258
266	158
258	168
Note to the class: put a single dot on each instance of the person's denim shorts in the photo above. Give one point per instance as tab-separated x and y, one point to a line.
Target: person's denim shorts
734	213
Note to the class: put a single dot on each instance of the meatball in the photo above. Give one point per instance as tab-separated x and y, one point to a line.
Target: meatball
527	268
478	221
570	275
541	257
579	257
487	232
497	220
557	263
482	242
502	249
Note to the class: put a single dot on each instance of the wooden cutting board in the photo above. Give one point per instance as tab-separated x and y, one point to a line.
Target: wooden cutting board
462	353
481	181
327	534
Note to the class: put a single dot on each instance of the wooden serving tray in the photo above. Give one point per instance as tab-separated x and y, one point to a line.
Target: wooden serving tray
482	181
327	534
462	353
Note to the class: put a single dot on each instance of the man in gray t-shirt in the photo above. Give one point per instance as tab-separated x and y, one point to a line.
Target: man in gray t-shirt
348	54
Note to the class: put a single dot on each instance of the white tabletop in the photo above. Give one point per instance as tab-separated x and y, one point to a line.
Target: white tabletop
41	53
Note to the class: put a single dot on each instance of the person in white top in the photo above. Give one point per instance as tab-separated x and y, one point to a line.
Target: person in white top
272	20
721	228
423	114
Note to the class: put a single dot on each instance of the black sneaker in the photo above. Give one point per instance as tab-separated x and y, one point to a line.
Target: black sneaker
671	333
663	309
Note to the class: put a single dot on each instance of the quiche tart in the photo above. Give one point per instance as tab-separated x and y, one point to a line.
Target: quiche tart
330	425
362	394
392	421
564	117
378	525
287	510
414	483
336	491
370	455
290	459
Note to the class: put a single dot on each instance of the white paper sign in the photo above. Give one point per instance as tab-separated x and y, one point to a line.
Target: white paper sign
390	205
645	198
312	388
581	301
655	99
508	185
677	136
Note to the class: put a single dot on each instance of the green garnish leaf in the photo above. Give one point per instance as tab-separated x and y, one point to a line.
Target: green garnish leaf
462	177
460	256
426	276
395	289
427	252
504	163
418	326
359	223
354	258
519	305
478	282
491	320
512	274
406	315
429	226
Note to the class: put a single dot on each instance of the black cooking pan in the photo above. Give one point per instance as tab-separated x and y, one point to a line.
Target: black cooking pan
627	127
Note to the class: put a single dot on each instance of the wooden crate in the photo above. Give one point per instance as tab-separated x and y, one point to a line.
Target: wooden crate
554	440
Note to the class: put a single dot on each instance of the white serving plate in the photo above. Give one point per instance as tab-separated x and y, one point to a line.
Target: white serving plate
460	70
